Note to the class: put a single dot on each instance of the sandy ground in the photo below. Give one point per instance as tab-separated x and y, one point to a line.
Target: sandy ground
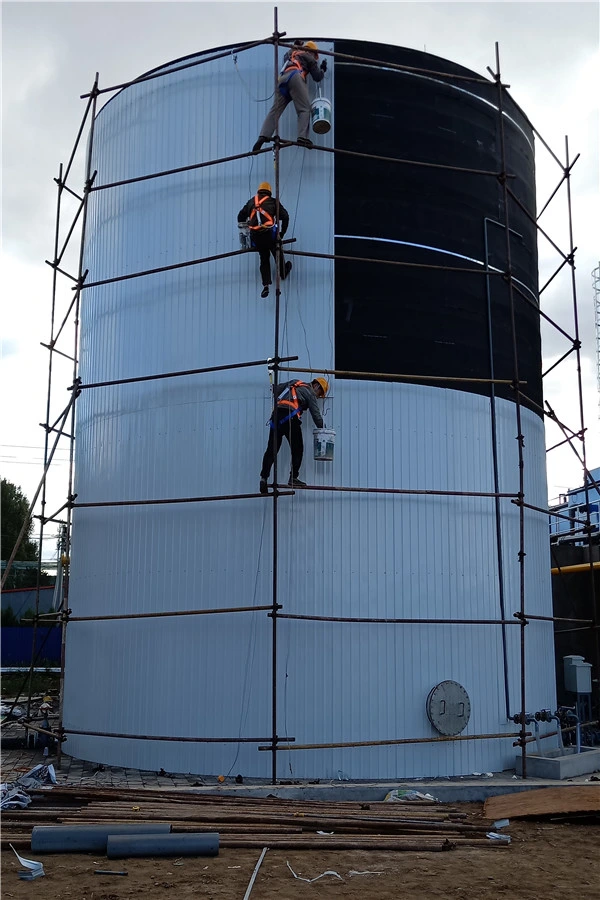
544	859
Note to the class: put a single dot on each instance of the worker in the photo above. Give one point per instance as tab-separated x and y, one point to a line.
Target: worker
297	65
293	398
260	212
44	740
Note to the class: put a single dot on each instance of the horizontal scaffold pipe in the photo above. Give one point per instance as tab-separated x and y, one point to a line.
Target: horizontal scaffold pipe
231	253
415	491
249	46
580	567
434	740
385	376
282	145
191	65
179	740
162	615
398	621
181	265
390	262
555	618
242	365
178	171
173	500
407	162
389	65
549	512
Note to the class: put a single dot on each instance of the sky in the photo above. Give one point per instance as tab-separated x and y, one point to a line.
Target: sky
51	51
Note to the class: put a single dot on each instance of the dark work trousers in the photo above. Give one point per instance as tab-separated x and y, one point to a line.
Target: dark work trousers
292	430
265	244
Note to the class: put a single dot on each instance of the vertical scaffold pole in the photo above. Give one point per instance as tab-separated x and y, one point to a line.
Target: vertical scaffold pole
520	437
59	183
586	483
80	280
274	421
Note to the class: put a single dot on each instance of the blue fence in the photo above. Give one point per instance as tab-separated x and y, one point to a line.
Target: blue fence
16	645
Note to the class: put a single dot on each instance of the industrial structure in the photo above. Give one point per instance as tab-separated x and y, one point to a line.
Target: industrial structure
394	618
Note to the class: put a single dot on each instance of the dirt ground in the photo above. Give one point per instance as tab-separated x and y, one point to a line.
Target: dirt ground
544	858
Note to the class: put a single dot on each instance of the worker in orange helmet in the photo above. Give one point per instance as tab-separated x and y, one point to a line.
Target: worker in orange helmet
298	64
259	214
293	397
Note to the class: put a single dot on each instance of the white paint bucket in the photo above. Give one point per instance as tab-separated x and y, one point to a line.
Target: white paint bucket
324	440
320	115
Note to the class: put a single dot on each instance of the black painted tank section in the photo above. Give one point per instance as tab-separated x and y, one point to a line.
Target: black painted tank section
418	321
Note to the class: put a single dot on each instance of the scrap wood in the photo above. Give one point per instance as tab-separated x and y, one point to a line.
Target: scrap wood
543	802
187	796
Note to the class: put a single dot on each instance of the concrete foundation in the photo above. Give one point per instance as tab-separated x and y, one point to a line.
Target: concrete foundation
558	764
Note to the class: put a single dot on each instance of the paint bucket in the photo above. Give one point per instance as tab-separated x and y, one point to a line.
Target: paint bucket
244	232
320	115
324	439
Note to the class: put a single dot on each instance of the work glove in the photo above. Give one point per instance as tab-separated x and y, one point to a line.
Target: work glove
324	66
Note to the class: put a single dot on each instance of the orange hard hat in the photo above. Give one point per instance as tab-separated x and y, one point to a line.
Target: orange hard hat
324	385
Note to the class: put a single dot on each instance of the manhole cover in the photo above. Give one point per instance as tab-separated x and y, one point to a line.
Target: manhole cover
448	707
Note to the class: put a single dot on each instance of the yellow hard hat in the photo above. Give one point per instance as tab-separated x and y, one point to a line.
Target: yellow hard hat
310	45
265	186
47	699
324	385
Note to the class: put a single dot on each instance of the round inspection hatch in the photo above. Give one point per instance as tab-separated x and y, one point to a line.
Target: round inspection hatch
448	707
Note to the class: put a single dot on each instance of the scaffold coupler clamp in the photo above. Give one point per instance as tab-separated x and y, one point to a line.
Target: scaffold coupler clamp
521	617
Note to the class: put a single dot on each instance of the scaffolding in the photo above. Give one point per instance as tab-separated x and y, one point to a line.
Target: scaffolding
64	425
596	288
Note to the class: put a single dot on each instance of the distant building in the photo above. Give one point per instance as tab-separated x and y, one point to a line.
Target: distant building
573	505
574	589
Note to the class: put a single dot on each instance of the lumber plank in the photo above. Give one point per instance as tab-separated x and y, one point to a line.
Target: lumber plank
543	802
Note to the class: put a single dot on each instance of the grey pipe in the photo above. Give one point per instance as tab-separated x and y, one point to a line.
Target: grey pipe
86	838
561	746
536	728
571	714
198	844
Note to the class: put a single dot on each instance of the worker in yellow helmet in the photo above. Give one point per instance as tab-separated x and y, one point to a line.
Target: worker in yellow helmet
259	214
298	64
293	398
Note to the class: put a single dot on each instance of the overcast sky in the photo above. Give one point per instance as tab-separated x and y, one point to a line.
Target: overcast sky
549	56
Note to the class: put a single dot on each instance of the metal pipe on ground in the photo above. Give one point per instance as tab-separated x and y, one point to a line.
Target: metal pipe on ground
88	838
127	845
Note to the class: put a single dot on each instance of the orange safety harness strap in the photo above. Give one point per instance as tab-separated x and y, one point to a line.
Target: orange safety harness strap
264	220
294	65
293	403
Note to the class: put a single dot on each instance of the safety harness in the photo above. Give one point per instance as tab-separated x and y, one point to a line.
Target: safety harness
293	403
290	68
260	219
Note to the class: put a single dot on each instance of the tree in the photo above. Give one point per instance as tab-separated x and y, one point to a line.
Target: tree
15	507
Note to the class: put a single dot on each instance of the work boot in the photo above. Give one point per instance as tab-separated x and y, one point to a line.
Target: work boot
263	486
265	291
305	142
295	482
288	269
261	140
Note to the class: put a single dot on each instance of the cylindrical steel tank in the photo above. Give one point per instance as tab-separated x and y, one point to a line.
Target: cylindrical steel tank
360	555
